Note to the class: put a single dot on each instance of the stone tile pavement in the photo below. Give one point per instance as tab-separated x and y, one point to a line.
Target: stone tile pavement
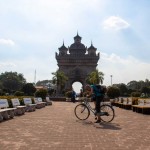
56	128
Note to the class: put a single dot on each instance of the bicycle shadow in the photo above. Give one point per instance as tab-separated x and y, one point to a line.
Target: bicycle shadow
108	125
85	122
102	125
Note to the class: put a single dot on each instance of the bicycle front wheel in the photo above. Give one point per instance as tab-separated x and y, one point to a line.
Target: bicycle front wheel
108	113
81	112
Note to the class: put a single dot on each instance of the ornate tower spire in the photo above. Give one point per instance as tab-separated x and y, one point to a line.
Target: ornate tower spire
91	43
63	49
63	43
77	48
77	38
92	49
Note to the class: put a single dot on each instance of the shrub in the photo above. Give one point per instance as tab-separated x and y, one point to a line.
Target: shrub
41	93
68	94
19	93
135	94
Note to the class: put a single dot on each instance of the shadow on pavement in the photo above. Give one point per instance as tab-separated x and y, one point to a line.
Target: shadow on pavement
102	125
85	122
108	125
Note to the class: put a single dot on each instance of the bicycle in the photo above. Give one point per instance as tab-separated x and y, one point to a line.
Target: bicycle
82	111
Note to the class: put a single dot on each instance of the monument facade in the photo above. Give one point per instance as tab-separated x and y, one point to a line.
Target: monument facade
77	61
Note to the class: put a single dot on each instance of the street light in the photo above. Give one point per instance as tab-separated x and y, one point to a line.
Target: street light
111	79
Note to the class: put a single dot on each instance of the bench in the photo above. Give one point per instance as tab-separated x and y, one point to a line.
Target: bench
146	108
127	103
120	102
124	103
143	106
39	103
114	101
29	106
20	110
5	111
48	101
138	108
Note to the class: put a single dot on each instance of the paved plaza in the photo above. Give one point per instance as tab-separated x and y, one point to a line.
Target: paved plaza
56	128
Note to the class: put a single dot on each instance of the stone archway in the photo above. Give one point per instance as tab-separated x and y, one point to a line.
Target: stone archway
77	61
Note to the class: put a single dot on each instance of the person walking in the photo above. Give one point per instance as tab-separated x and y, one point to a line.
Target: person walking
73	96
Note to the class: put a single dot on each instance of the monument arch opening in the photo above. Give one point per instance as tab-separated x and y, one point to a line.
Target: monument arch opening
77	86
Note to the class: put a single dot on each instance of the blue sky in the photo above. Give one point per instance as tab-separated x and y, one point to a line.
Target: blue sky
31	31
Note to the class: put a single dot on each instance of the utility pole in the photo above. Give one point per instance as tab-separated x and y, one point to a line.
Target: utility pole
111	79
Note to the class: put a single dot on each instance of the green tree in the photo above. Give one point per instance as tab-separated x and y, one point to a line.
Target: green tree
113	92
130	91
59	79
29	89
141	84
12	81
51	91
95	77
132	85
123	89
147	83
145	90
138	85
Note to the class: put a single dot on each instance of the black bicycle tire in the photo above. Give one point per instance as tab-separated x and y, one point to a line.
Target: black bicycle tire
107	105
78	115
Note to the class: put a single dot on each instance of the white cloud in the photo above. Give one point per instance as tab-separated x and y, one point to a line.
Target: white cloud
7	64
123	70
115	23
7	42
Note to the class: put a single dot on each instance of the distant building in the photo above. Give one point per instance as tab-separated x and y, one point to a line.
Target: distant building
40	87
45	84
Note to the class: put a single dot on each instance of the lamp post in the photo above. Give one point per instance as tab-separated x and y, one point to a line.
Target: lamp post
111	79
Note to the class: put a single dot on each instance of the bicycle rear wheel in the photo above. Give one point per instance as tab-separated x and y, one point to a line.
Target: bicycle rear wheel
81	112
108	113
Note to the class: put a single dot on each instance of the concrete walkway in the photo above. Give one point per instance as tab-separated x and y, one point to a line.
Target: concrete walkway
56	128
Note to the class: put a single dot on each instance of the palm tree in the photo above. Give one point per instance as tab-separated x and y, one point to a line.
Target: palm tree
59	79
95	77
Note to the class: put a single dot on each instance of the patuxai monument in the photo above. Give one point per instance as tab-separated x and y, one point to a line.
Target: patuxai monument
77	61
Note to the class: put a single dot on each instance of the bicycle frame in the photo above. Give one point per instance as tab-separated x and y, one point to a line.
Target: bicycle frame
88	105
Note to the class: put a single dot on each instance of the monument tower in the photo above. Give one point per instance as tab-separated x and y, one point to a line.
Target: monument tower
77	61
